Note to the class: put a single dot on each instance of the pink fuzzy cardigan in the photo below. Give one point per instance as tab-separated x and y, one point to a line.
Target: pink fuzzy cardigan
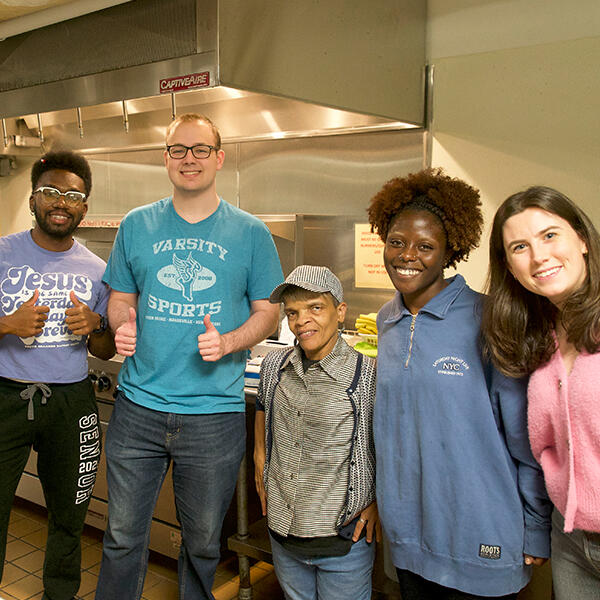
564	431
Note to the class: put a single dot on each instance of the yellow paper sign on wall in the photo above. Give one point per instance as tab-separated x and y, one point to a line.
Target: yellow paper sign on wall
369	271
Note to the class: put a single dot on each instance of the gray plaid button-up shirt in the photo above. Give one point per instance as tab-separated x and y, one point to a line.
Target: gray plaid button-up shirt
320	467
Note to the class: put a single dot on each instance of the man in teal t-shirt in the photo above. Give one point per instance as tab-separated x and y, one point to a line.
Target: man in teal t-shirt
191	276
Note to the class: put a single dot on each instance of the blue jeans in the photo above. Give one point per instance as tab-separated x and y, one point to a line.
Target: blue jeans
575	562
206	451
325	577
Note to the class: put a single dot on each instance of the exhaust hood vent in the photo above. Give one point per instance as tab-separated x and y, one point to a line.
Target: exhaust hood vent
259	68
122	36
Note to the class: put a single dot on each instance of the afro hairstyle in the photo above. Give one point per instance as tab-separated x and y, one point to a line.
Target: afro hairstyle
63	160
455	203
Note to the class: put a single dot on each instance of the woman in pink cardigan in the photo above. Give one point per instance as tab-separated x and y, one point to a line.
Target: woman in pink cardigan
542	317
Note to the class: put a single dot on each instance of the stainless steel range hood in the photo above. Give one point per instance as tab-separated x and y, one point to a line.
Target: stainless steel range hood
261	69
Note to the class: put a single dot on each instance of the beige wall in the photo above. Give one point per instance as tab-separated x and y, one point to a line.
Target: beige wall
516	100
461	27
515	103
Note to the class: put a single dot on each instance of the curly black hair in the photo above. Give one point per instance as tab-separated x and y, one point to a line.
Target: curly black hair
63	160
455	203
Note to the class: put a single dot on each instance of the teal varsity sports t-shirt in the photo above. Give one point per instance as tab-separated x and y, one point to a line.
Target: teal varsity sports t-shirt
183	271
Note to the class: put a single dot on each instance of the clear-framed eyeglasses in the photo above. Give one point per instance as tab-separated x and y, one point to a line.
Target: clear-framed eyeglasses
51	194
179	151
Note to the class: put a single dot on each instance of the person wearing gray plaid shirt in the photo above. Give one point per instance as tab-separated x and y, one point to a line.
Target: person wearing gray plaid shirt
314	453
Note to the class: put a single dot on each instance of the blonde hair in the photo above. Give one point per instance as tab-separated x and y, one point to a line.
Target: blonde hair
190	118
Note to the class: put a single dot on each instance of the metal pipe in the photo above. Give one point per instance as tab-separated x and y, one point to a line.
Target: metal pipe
245	588
428	120
125	116
79	122
4	133
245	591
173	107
40	130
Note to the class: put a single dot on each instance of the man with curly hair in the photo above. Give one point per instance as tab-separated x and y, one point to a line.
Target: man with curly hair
52	311
461	498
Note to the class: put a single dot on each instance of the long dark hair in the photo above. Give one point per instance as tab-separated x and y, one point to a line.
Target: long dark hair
517	324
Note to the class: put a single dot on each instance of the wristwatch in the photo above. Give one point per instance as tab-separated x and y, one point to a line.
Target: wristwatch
103	325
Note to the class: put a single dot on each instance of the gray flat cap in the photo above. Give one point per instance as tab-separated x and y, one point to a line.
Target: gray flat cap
313	278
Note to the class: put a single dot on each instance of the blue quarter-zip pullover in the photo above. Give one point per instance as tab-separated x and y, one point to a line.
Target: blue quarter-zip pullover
460	495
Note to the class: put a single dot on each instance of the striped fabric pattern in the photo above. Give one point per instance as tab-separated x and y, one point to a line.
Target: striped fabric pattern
320	469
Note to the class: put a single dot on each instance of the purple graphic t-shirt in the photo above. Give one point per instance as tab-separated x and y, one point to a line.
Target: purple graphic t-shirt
55	355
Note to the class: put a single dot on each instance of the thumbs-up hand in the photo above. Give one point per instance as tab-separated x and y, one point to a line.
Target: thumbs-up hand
210	343
28	320
80	318
126	335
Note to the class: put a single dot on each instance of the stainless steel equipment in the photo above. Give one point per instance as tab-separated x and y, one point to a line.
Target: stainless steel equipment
335	175
310	191
318	104
363	58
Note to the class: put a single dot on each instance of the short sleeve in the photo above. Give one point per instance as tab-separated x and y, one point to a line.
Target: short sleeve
265	272
119	275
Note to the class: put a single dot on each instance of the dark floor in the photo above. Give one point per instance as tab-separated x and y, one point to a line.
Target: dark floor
25	558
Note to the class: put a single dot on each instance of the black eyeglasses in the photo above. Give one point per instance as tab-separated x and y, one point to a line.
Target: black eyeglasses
51	194
198	151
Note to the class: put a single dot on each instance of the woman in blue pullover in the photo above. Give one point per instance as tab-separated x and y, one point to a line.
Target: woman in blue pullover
461	499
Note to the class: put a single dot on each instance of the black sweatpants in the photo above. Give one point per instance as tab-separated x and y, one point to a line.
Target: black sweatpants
60	422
